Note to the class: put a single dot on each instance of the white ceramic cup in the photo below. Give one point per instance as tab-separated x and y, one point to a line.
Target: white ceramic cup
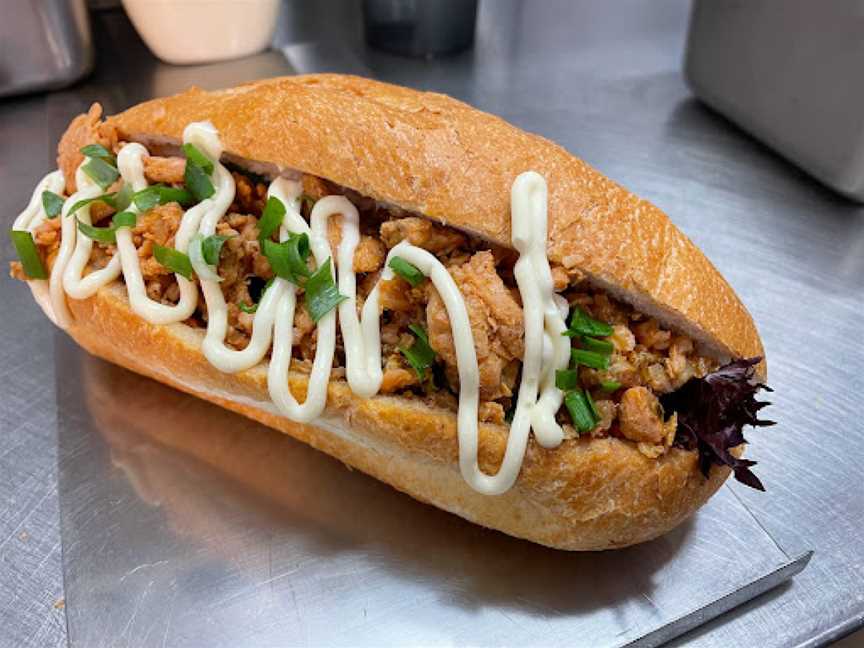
200	31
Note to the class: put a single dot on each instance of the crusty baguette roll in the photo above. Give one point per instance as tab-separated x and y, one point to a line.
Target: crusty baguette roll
435	156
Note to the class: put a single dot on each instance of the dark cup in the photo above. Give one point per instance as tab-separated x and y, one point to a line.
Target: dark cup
420	27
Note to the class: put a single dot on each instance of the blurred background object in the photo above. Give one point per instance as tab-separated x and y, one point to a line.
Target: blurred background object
44	45
191	31
790	74
418	28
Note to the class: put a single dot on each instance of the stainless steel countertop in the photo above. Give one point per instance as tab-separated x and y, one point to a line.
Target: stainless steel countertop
603	80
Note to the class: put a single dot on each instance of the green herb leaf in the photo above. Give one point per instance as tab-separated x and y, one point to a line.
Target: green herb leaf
610	385
589	358
211	246
198	158
288	259
598	346
28	254
173	259
124	219
407	271
322	296
101	234
583	324
567	379
197	181
101	172
271	218
419	355
580	411
159	194
97	151
52	203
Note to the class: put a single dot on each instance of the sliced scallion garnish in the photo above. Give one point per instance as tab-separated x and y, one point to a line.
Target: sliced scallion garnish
52	203
419	355
28	254
566	379
159	194
271	218
322	295
97	151
124	219
288	259
101	234
197	181
197	157
101	172
580	411
247	308
211	246
583	324
589	358
407	271
173	259
610	385
598	346
592	406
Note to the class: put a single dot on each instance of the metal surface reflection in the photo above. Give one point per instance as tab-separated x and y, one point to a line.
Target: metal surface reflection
223	532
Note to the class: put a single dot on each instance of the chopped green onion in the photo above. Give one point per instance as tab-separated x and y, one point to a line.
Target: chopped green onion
592	406
583	324
408	272
108	199
29	255
288	259
247	309
197	181
322	296
101	234
271	218
211	246
567	379
198	158
580	411
123	198
598	346
173	259
589	358
159	194
610	385
97	151
101	172
419	355
52	203
124	219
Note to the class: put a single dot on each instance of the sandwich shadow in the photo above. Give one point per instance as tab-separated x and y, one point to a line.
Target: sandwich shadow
249	495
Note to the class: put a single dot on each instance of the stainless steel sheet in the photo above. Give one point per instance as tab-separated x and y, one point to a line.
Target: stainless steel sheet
192	526
604	80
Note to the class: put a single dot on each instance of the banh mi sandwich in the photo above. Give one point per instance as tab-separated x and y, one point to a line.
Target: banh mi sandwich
412	286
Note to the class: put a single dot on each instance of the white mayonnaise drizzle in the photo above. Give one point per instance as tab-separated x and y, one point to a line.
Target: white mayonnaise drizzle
34	214
130	163
280	359
546	349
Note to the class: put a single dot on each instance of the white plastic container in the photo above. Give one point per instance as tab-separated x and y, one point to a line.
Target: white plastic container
200	31
791	73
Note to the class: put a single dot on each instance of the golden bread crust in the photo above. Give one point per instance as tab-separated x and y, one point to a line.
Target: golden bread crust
431	154
588	494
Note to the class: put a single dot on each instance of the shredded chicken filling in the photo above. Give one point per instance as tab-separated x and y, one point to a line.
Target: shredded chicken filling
646	361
